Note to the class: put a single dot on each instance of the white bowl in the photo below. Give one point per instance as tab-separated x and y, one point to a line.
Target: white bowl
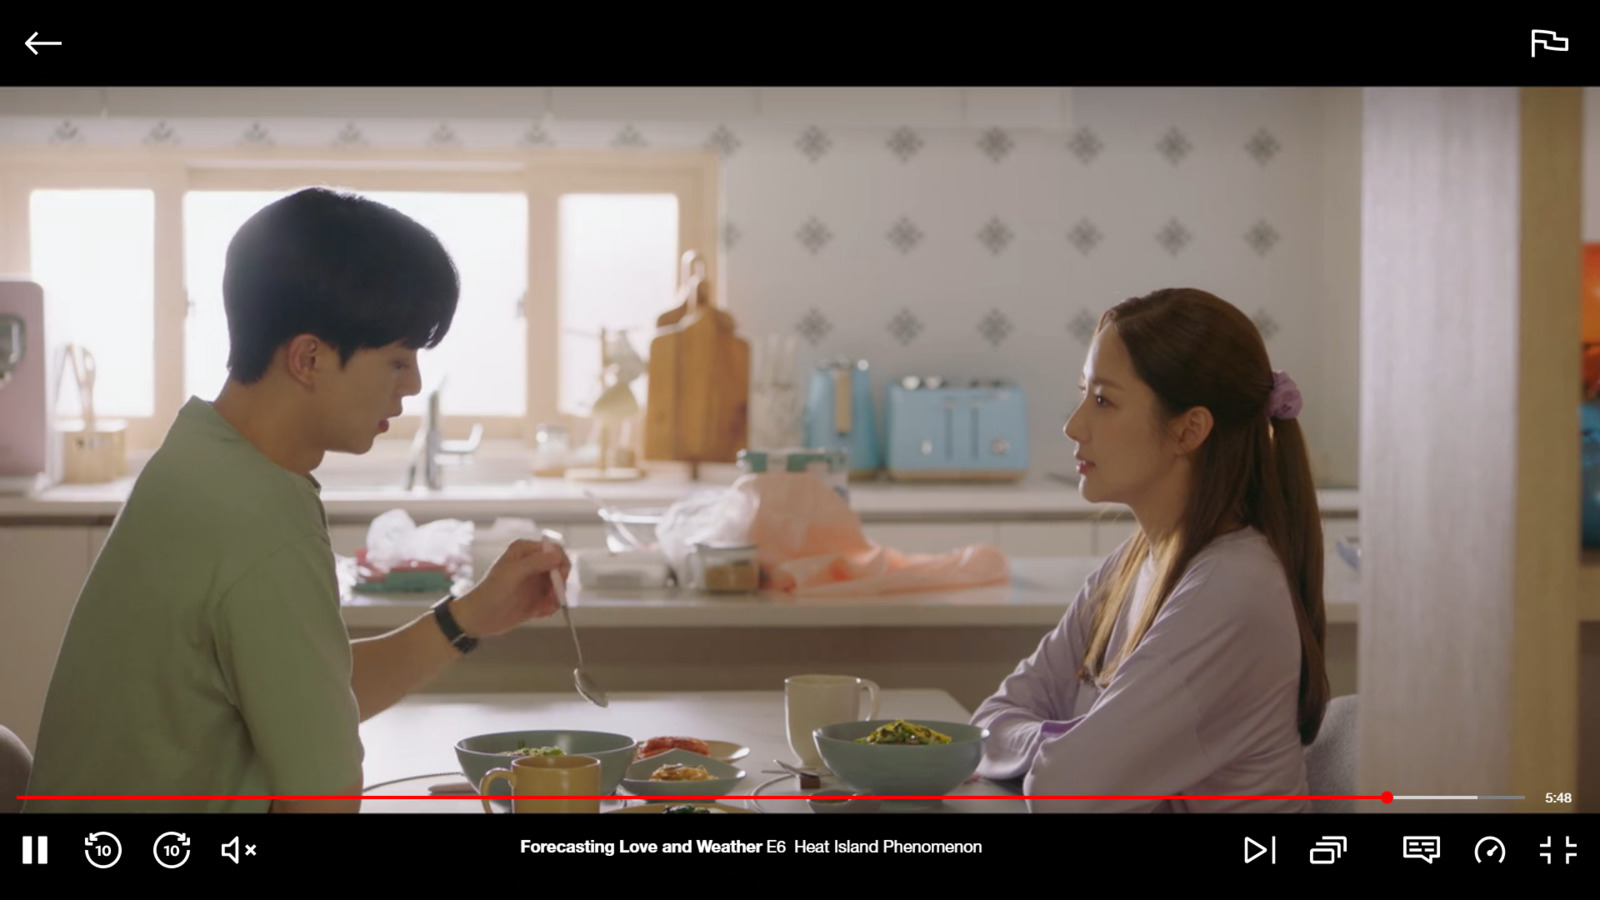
725	777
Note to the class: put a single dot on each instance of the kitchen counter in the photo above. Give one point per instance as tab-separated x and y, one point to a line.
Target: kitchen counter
1039	498
1040	592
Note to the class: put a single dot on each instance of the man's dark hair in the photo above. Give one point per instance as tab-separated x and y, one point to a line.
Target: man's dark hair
349	270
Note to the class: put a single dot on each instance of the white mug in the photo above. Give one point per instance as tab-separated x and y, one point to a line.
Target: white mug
813	701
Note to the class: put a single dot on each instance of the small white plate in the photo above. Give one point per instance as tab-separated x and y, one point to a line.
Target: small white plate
724	777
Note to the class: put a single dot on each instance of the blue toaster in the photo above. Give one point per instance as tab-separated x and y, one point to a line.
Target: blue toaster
976	432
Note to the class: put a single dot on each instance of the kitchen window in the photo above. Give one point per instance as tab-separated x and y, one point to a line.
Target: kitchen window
96	250
552	248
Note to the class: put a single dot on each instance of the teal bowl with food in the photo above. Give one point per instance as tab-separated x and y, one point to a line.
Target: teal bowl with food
480	753
902	757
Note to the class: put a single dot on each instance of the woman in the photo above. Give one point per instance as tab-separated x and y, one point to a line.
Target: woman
1191	662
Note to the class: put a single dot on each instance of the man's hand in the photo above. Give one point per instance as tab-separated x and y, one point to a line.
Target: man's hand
516	589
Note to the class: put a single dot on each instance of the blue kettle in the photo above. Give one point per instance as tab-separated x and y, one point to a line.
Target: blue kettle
839	415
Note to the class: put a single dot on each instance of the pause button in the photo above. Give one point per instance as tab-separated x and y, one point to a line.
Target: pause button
35	850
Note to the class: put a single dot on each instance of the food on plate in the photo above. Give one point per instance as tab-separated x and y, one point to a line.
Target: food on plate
524	750
680	772
688	808
902	732
658	745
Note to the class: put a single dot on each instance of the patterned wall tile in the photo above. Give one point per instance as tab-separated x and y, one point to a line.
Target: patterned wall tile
995	327
904	144
67	133
814	326
1262	237
1263	147
905	235
814	235
161	135
996	236
995	144
1267	325
905	327
629	137
723	141
1085	145
1082	327
814	143
536	136
444	136
1085	236
349	136
1174	237
256	136
1174	146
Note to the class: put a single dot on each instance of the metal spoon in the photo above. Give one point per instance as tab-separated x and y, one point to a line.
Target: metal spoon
586	685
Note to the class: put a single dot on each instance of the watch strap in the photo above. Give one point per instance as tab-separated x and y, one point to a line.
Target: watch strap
451	628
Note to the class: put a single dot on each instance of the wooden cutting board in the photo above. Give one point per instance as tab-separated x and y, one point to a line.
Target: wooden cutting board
697	409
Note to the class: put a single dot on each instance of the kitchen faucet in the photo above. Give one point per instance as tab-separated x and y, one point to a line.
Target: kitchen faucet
430	444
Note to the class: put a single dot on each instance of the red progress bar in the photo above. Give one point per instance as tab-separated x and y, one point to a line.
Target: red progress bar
1386	797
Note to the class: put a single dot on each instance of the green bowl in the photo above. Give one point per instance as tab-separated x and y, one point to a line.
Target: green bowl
483	752
900	770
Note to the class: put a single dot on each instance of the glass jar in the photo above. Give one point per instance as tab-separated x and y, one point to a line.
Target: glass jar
832	466
551	449
725	568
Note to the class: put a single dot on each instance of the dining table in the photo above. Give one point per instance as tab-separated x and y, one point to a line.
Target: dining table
411	764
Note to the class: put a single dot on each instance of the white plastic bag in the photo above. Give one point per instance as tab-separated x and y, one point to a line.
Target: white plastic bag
711	517
394	540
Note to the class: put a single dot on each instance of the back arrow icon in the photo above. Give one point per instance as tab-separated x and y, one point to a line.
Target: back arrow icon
33	43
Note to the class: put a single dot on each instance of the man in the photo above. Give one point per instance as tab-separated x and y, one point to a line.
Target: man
207	655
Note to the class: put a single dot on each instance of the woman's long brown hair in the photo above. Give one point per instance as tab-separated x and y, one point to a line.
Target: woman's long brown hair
1196	350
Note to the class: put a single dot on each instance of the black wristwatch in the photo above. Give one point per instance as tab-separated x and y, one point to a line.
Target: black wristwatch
452	631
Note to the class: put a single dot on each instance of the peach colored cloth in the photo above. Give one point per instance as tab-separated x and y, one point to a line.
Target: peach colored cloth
811	542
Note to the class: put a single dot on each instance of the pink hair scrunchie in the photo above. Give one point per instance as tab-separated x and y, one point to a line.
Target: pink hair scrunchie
1285	401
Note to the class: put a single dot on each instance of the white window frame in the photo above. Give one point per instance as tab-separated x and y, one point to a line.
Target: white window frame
542	176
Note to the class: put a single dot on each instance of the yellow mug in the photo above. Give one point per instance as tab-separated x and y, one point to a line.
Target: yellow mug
563	782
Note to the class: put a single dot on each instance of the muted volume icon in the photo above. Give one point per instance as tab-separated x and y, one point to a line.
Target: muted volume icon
231	850
1327	851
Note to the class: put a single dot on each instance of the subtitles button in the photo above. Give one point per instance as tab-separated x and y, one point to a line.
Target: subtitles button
1423	848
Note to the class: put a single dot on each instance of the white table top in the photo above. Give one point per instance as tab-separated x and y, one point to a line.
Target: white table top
415	739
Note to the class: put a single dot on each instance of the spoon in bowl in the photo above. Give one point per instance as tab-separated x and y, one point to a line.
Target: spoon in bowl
586	685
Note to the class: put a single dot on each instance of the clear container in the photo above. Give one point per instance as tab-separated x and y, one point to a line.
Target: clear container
832	466
725	568
552	449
